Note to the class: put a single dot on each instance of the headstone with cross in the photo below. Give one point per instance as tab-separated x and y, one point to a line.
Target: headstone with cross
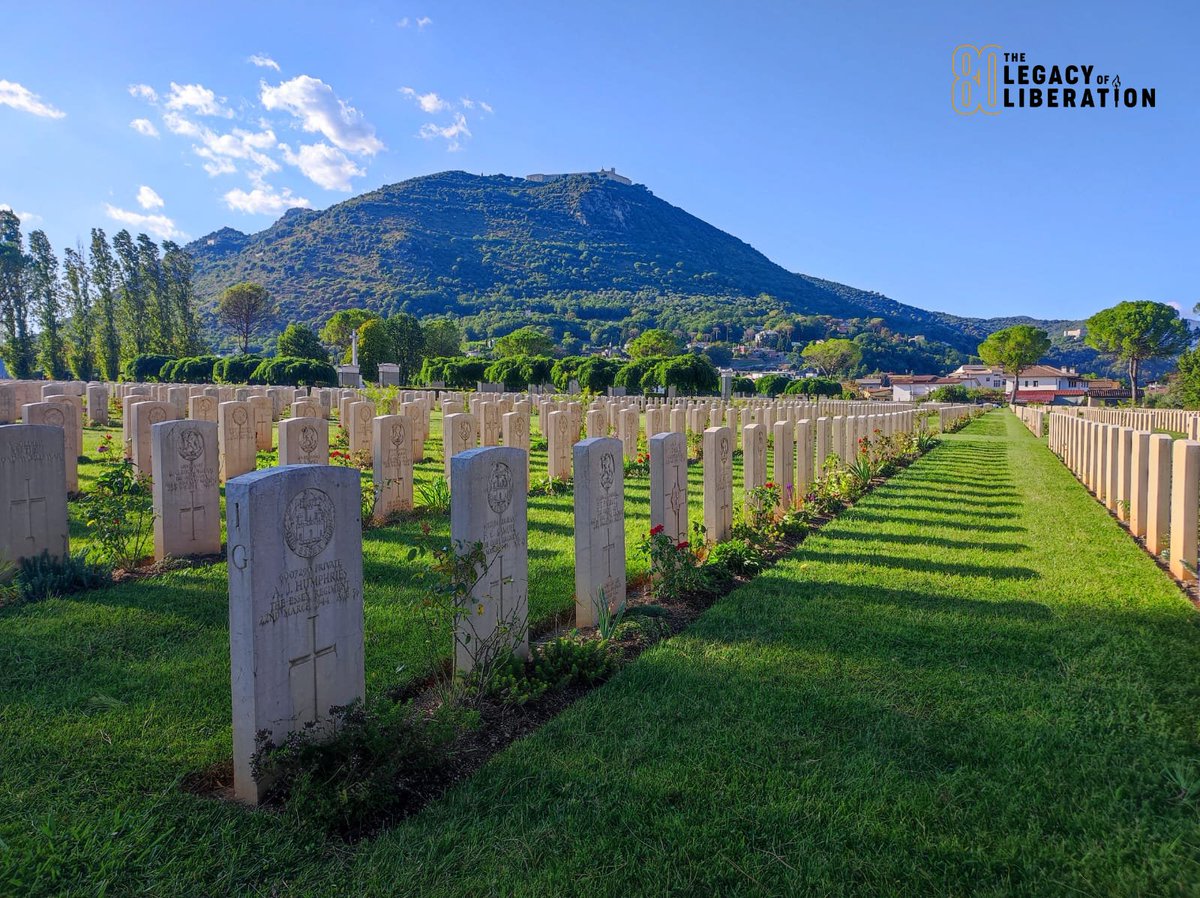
295	604
97	404
187	511
488	515
668	484
514	427
718	484
144	416
304	441
203	408
458	435
599	528
33	491
558	445
60	414
392	466
235	439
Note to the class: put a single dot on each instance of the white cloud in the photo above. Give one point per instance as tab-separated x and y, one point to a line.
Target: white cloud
197	98
156	225
263	200
403	23
144	126
313	102
468	103
177	124
143	92
20	97
323	165
429	102
453	133
264	62
27	218
221	149
423	21
148	198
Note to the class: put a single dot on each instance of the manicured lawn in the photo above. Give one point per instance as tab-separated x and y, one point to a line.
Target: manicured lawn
971	683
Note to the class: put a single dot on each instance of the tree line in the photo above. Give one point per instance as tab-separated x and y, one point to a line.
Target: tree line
104	305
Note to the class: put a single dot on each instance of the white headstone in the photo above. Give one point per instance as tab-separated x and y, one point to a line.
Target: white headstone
599	528
668	484
295	604
488	507
304	441
33	491
187	508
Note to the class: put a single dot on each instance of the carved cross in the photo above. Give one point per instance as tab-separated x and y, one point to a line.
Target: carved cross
28	503
304	676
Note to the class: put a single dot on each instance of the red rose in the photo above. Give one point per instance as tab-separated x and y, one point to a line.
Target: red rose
655	531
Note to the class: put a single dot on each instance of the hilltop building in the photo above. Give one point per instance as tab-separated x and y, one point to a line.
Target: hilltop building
609	173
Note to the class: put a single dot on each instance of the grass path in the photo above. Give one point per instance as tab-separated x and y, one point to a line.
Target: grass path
971	683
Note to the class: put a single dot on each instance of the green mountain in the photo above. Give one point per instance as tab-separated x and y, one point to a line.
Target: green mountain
583	254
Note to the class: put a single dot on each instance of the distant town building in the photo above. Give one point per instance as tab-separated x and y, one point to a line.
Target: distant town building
1075	333
609	173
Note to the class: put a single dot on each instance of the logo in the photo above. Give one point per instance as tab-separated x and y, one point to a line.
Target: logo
308	439
608	471
499	491
308	522
989	79
191	444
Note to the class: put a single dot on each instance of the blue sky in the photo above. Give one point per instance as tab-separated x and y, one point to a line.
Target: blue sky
822	134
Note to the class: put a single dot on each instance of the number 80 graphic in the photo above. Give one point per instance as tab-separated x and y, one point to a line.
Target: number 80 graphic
971	65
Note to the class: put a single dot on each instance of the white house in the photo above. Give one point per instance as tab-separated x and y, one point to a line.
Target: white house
979	376
1041	378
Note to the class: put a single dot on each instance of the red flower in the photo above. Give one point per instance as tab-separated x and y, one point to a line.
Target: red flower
770	484
682	545
655	531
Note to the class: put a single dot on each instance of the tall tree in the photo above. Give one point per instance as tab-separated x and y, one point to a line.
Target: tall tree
102	269
18	349
158	303
1136	331
177	268
339	330
1014	349
43	287
443	337
528	340
396	340
653	343
301	341
132	306
244	309
833	357
82	321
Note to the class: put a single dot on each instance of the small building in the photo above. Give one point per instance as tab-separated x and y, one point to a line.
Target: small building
1041	378
911	387
1074	333
981	376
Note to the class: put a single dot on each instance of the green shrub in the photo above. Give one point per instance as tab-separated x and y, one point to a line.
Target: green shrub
772	384
558	664
739	557
42	576
814	386
235	369
192	370
294	372
145	368
380	756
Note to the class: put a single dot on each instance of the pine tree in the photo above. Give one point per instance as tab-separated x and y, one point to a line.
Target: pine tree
82	323
102	270
43	288
17	350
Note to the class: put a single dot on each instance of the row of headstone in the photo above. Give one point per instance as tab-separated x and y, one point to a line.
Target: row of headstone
1149	481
